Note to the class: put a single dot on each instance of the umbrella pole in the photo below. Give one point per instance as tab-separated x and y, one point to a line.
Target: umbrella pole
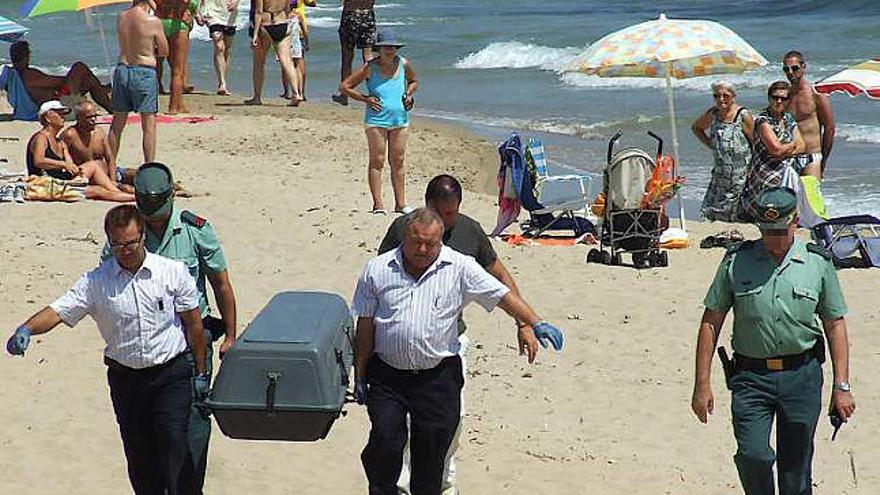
671	103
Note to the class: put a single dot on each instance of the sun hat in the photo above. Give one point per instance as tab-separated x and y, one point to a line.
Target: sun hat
388	38
153	189
51	105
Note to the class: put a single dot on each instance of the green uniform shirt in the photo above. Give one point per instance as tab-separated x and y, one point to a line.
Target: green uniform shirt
198	248
775	307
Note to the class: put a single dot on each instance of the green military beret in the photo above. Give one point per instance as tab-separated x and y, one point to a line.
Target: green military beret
153	189
776	208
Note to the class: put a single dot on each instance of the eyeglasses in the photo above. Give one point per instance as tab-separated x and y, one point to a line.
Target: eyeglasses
778	98
120	246
791	68
719	96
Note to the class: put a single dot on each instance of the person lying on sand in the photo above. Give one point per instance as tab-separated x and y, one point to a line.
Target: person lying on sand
79	80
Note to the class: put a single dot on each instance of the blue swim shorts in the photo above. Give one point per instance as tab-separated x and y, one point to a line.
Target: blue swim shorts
135	89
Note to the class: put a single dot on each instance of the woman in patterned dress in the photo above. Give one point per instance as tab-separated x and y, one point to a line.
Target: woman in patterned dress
777	141
730	127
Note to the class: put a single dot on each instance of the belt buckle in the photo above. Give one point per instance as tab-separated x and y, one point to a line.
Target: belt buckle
775	365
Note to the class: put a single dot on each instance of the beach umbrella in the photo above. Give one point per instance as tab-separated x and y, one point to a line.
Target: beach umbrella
33	8
11	31
671	49
860	78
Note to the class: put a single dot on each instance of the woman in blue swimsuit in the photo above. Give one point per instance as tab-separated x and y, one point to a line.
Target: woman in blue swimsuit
391	82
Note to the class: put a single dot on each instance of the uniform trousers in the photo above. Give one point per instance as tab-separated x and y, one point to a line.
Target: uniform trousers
432	399
152	410
199	424
794	398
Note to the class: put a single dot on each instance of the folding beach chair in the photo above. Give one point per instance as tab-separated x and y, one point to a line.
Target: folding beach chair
555	216
23	105
853	240
537	158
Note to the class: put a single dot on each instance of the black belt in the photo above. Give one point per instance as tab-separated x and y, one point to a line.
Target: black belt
416	372
779	363
117	366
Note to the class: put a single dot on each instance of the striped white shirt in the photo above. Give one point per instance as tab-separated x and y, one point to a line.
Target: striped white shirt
416	321
137	314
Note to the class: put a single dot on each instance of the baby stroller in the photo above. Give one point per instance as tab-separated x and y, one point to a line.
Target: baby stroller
630	224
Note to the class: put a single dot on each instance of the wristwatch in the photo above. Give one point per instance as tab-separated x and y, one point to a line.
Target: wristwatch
842	387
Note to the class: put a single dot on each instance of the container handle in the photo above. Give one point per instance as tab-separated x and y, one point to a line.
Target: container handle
272	378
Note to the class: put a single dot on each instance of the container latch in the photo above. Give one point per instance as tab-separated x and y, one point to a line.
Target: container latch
272	385
343	371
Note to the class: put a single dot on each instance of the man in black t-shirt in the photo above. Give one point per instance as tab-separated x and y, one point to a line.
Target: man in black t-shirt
465	235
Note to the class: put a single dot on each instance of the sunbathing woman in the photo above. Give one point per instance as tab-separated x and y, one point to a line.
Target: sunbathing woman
271	28
48	155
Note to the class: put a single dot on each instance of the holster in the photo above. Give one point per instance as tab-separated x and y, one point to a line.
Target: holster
819	349
727	365
215	326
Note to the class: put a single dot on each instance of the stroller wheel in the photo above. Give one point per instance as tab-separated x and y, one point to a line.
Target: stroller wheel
639	260
613	260
593	256
663	258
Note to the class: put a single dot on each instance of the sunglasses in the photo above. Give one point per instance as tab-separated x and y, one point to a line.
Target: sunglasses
778	98
718	96
791	68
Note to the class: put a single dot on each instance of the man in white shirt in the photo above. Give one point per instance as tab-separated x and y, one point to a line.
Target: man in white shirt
408	301
142	303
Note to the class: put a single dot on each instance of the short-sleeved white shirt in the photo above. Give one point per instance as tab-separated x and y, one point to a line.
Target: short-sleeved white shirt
416	321
137	314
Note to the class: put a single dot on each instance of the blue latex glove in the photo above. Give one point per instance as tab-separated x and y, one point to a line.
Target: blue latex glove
546	332
202	385
360	390
18	343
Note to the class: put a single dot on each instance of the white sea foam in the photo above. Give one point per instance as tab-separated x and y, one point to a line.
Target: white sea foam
323	22
516	55
858	133
583	130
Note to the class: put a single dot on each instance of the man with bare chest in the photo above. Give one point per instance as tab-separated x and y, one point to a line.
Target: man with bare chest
813	114
357	29
87	142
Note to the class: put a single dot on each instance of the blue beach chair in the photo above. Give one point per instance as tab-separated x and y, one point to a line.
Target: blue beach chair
23	105
853	240
536	154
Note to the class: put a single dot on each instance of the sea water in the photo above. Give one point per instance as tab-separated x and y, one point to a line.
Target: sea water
496	66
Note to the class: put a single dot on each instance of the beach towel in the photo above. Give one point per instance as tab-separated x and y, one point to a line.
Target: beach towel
510	177
23	105
161	119
811	205
45	188
521	240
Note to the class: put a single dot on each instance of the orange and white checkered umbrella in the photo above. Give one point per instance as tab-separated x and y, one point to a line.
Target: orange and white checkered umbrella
692	47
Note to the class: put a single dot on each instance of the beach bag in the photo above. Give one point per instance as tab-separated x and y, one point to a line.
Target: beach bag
45	188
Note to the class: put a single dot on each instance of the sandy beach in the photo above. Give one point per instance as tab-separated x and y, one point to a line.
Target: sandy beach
286	191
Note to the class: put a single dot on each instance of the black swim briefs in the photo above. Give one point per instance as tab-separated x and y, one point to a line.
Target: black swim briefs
222	28
357	28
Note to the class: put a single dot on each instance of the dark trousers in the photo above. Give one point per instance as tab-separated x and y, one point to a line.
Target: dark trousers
794	397
432	399
152	410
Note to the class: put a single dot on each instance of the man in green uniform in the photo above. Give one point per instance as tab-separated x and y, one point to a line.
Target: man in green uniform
181	235
776	286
